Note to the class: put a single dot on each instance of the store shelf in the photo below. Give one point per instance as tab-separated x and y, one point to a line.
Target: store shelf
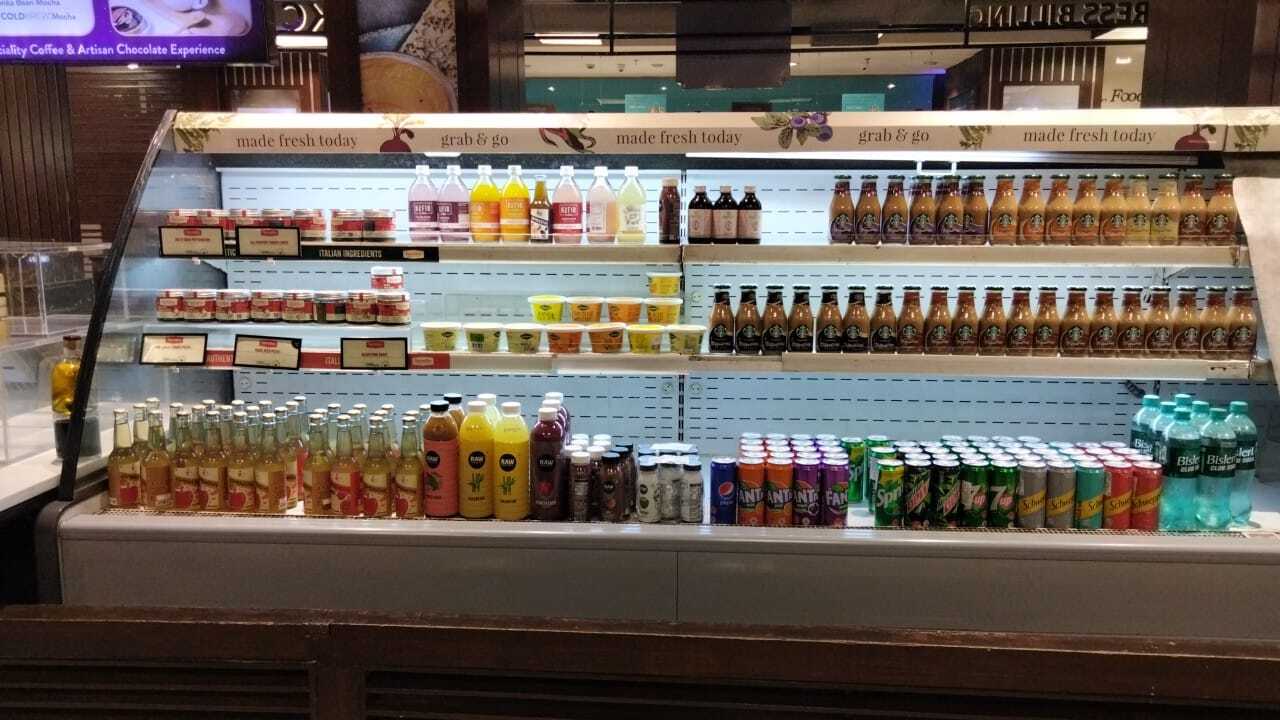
1097	255
1029	367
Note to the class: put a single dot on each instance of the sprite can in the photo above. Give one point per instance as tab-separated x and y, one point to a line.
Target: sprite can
944	494
1091	488
856	449
973	493
872	458
888	501
1002	488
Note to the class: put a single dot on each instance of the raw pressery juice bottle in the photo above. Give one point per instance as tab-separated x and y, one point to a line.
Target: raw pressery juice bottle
423	225
511	472
545	444
475	443
440	458
453	211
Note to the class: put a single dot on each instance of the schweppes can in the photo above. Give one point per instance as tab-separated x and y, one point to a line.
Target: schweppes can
1032	479
1091	490
1116	508
1144	509
1060	490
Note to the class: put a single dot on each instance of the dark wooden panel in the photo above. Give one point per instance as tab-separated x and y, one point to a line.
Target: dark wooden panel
37	199
1197	56
1264	71
1063	65
490	55
342	31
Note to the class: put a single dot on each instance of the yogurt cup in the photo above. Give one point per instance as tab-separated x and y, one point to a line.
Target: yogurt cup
523	338
685	339
584	308
441	336
482	337
565	337
663	284
606	337
645	339
662	310
547	308
624	309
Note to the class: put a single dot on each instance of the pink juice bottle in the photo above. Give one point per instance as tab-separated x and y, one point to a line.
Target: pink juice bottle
546	441
453	208
556	399
440	462
423	226
566	209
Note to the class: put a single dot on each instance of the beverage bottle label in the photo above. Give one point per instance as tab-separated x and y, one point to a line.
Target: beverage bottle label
485	216
749	224
895	227
539	223
376	499
721	338
631	219
566	218
700	223
422	213
440	481
407	494
724	224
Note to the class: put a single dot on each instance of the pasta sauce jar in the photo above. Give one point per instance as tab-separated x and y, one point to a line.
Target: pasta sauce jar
266	306
386	277
347	225
183	217
310	224
198	305
169	305
299	306
362	306
331	306
393	307
380	225
232	306
277	218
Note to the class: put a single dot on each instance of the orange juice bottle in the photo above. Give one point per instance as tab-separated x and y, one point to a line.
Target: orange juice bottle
514	211
475	450
511	472
484	206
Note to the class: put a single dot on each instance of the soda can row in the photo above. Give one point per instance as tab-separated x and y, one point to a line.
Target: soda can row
778	492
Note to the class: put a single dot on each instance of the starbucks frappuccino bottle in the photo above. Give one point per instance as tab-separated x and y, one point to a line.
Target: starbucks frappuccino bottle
950	226
884	323
896	213
867	212
840	214
1059	212
911	322
1073	338
1243	342
1166	212
720	323
1102	326
773	324
1114	218
1020	327
1048	324
1085	213
800	321
1222	218
1159	337
1004	213
1215	324
923	213
937	324
991	329
746	324
976	212
828	338
1031	212
856	337
1186	324
964	324
1131	328
1193	207
1138	220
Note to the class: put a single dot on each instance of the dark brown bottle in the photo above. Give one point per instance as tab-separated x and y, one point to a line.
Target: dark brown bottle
720	324
700	217
884	322
749	216
857	323
830	328
669	213
746	324
800	322
773	324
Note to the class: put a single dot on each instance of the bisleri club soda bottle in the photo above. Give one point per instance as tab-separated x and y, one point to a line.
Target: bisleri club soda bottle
475	450
1217	471
1246	461
1140	425
511	470
485	202
1181	473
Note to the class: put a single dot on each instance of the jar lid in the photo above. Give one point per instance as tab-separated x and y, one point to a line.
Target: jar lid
386	270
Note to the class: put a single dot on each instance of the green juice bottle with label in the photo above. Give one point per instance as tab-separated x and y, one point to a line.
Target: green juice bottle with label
1217	471
631	206
1182	473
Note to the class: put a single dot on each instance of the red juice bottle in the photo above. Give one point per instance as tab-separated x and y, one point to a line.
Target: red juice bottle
546	441
440	462
556	399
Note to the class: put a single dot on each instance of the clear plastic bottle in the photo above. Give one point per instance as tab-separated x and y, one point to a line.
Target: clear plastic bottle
602	209
1217	471
1178	497
486	202
1140	425
476	454
453	211
1159	424
423	226
566	209
631	209
1246	461
514	210
511	469
1200	414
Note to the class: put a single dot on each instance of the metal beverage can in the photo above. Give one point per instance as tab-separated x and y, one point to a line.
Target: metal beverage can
1091	490
973	493
1119	496
1024	439
874	455
1060	487
915	492
724	491
807	492
1032	480
779	488
1086	444
888	497
1002	487
751	491
944	493
1114	444
951	438
856	449
1144	510
836	481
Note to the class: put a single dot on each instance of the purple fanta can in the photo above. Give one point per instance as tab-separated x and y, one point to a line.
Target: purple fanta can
806	487
835	492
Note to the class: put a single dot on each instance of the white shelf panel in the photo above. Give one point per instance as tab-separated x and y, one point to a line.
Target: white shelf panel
1031	367
978	255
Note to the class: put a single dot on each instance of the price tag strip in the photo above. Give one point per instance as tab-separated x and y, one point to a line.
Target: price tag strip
191	241
374	354
226	359
174	350
266	242
257	351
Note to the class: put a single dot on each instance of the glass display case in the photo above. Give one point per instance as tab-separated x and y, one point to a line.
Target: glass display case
295	268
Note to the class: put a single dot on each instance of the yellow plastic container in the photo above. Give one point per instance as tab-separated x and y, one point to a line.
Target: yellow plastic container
482	337
662	310
624	309
441	336
584	308
645	339
547	308
664	284
523	338
606	337
685	339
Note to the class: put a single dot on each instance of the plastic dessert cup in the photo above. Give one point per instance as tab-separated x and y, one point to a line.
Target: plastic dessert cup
482	337
547	308
685	339
565	337
523	338
624	309
645	339
441	336
662	310
664	284
585	308
606	337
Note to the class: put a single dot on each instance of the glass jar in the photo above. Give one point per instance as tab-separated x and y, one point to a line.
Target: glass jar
380	225
232	306
393	307
299	306
347	225
247	218
199	305
331	306
169	305
277	218
386	277
182	217
266	306
362	307
310	224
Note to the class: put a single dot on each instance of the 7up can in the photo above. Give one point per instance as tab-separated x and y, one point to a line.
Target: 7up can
1002	488
973	494
888	496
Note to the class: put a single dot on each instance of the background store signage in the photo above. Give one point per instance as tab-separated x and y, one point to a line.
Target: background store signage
643	103
258	351
367	251
174	349
375	354
188	241
106	32
267	242
1056	14
862	102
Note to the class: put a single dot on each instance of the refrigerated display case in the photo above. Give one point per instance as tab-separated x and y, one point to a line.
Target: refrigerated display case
1043	580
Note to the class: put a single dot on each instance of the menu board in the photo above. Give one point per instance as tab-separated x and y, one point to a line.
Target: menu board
107	32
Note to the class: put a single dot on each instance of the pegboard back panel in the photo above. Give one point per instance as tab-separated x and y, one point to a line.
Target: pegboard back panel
632	408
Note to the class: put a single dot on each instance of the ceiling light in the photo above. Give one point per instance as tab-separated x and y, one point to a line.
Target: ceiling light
879	35
1125	60
1124	33
551	88
132	66
302	42
794	63
569	38
892	86
663	88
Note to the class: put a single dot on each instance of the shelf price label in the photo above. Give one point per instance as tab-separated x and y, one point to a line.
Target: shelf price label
190	241
375	354
258	351
268	242
173	349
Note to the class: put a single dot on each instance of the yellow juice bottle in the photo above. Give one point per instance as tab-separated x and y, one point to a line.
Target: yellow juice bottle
514	212
485	202
511	470
475	449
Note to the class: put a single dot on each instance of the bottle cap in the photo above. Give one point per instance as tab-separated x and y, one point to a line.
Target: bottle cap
631	171
1217	414
1239	407
670	182
596	451
546	414
510	408
421	169
1151	401
600	170
566	171
453	398
484	169
580	458
453	169
611	457
749	188
488	398
726	188
698	188
513	169
477	406
553	395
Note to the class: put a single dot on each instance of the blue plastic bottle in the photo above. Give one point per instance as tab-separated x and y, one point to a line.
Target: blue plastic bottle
1140	437
1217	472
1199	414
1158	426
1246	461
1182	473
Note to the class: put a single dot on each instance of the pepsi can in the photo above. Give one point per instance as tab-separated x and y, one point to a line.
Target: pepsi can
724	491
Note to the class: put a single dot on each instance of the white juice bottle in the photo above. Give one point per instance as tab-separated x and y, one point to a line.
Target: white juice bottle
631	209
566	209
602	209
423	225
453	208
